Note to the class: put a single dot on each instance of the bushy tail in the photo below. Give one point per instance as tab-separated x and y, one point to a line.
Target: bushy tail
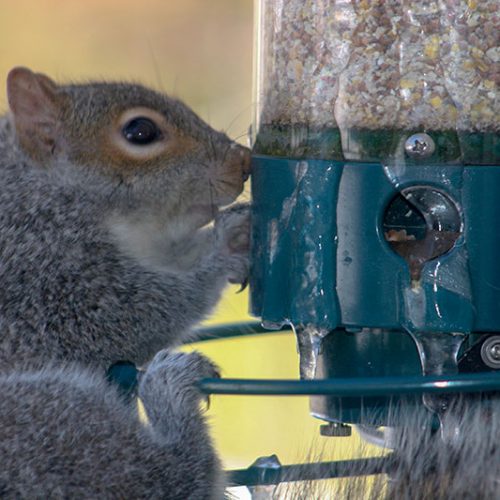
465	464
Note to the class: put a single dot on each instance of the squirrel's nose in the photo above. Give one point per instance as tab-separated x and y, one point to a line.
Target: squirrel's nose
241	156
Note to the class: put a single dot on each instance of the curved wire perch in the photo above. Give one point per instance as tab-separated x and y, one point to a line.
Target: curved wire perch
231	330
259	475
125	375
349	387
352	387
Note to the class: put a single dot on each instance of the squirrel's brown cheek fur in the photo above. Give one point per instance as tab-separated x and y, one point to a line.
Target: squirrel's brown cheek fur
226	175
115	158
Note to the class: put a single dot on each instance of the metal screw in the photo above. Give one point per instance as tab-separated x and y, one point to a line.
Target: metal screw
336	429
490	352
419	145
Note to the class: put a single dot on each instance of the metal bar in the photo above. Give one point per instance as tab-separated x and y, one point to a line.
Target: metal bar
372	386
254	476
230	330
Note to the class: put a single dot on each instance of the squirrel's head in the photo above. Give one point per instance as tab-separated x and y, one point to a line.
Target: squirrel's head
144	144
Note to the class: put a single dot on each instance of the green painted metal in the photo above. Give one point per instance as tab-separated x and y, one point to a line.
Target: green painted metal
254	476
351	387
232	330
362	357
326	218
292	223
320	258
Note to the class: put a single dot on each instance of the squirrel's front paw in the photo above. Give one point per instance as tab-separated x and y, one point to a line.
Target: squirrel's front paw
174	375
233	236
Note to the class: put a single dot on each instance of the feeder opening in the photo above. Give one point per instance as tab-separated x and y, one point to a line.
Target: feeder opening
420	224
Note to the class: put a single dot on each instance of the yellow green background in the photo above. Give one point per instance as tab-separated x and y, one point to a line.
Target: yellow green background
201	52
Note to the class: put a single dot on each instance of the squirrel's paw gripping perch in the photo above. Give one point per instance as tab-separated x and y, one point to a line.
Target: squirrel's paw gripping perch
175	374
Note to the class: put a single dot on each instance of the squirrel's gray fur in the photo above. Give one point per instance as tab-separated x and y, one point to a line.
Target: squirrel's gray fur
66	433
465	465
110	249
103	251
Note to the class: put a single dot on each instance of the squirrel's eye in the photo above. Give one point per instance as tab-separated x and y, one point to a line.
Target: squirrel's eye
141	131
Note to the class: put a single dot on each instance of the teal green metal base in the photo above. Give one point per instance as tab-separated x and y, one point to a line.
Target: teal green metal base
320	256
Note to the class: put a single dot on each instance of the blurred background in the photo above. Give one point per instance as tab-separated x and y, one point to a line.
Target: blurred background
201	52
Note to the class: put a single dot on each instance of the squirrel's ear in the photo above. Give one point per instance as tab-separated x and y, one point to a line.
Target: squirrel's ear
35	106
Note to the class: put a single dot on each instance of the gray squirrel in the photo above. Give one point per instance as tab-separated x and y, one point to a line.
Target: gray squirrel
113	243
66	433
107	192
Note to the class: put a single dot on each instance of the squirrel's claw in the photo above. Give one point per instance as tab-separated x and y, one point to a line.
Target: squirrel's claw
243	285
215	374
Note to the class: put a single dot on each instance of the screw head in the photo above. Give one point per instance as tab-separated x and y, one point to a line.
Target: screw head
419	145
336	429
490	352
